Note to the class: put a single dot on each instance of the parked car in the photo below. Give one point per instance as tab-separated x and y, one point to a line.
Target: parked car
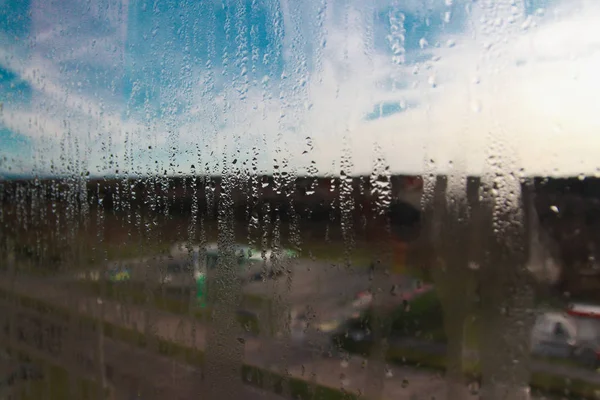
315	328
182	268
194	267
553	335
251	263
564	335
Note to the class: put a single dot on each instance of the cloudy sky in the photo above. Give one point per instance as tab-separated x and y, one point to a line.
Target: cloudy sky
315	86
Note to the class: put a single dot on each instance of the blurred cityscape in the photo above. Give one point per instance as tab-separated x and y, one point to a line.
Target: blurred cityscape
378	286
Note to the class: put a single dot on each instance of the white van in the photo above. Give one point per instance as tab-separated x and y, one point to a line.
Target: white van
567	336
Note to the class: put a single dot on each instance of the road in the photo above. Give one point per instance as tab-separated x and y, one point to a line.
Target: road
324	292
300	360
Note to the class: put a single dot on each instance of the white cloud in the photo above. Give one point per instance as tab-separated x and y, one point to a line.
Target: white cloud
536	94
534	90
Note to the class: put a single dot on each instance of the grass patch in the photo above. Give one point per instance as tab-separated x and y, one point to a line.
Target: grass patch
564	387
54	384
172	301
57	385
420	318
542	383
130	251
295	387
422	359
336	252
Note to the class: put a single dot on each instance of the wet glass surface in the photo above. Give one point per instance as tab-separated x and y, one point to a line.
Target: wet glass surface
328	199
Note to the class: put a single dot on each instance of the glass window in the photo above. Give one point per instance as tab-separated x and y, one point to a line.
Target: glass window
588	329
559	330
257	199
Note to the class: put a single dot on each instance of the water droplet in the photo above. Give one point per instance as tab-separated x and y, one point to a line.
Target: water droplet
432	81
406	305
388	372
344	380
474	388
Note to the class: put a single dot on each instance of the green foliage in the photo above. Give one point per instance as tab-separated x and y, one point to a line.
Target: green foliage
298	388
134	293
419	317
55	384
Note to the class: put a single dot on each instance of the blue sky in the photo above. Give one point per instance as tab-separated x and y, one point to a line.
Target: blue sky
128	87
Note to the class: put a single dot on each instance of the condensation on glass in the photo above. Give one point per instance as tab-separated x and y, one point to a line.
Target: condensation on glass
265	199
